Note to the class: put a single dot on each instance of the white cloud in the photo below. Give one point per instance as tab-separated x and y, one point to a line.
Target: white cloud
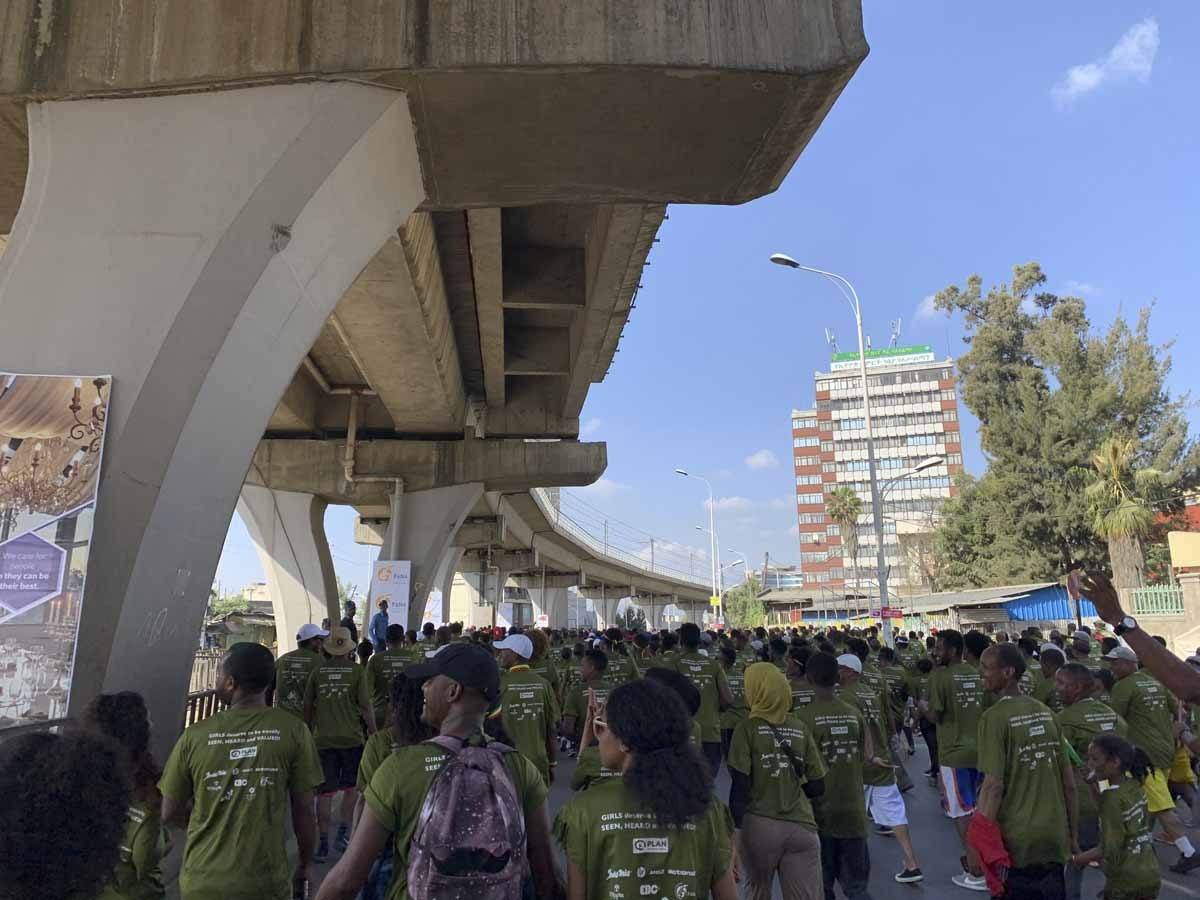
926	309
762	459
590	427
1081	288
1132	57
603	488
730	504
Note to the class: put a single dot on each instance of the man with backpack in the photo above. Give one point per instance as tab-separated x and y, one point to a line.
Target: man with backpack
457	807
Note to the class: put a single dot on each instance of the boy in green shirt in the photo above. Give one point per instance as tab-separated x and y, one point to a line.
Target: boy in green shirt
735	674
292	669
706	674
591	678
527	705
239	770
385	666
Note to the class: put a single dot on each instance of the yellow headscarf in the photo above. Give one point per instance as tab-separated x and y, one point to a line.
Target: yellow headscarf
767	693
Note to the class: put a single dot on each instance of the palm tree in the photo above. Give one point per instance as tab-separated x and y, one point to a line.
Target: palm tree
844	507
1120	498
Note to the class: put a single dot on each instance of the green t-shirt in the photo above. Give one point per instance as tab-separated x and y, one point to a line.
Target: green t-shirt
706	674
776	792
382	668
738	710
549	671
870	704
918	685
569	675
616	841
137	875
803	692
238	769
895	681
530	711
1079	723
1149	709
577	700
621	669
337	689
838	729
588	769
1019	742
1130	867
378	748
957	699
291	679
399	787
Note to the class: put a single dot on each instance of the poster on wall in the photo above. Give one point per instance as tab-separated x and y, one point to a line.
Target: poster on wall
390	580
51	445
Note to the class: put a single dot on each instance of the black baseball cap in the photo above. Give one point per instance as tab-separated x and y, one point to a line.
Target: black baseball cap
469	664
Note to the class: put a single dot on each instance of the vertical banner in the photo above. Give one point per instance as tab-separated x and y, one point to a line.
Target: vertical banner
51	444
390	580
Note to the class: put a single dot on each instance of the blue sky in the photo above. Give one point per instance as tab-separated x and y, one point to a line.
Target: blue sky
975	136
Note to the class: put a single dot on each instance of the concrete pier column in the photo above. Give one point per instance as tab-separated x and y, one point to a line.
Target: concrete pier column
444	580
191	246
288	530
428	522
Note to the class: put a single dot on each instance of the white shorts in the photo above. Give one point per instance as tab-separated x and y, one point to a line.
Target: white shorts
886	805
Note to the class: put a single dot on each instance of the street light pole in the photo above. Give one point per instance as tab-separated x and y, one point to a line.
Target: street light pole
712	534
876	502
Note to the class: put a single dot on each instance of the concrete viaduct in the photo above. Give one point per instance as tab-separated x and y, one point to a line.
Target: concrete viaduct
370	252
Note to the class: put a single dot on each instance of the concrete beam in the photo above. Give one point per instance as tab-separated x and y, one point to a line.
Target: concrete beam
544	277
483	226
314	466
650	101
537	351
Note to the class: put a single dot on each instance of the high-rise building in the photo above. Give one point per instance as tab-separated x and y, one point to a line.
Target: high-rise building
914	411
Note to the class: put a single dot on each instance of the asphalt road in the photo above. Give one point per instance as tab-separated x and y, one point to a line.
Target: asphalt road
934	839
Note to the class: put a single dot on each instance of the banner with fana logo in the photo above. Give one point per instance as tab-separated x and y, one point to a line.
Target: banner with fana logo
390	580
51	444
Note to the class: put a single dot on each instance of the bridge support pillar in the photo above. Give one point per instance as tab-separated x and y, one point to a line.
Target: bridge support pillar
288	530
210	236
445	580
423	534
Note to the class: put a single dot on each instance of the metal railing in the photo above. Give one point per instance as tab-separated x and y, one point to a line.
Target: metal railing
205	667
1157	600
201	705
618	541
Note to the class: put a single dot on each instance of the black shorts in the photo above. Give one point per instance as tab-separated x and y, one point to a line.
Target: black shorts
340	765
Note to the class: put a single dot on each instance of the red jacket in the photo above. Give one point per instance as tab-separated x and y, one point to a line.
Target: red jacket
984	837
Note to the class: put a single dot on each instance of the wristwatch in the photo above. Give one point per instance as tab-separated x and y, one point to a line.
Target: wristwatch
1129	623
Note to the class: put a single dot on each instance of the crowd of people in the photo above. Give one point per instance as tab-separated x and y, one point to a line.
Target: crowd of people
424	766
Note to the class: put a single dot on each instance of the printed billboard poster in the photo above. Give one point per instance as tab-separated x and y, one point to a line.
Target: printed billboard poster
390	580
51	445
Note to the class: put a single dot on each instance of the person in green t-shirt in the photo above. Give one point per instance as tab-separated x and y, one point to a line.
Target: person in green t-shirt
239	770
382	669
588	769
1150	708
543	663
709	679
956	701
1025	772
841	736
337	700
735	674
1083	717
591	674
528	707
460	684
292	669
657	831
123	719
1126	849
775	769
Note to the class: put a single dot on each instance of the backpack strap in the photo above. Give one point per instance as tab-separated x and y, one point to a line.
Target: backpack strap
787	748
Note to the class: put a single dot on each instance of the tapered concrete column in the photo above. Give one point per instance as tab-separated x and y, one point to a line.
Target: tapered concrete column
429	521
191	246
445	579
288	530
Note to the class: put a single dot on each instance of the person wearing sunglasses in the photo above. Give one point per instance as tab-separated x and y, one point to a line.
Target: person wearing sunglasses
657	830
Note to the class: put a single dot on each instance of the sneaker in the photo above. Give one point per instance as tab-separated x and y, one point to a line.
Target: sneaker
1185	864
884	831
343	839
322	853
970	882
908	876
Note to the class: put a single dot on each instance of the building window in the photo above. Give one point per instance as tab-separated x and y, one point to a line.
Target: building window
810	422
949	415
812	557
811	537
828	467
806	442
954	459
808	479
833	530
807	460
949	395
826	446
811	518
804	499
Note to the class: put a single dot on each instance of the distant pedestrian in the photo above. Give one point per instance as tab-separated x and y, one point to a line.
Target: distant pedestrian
292	669
379	625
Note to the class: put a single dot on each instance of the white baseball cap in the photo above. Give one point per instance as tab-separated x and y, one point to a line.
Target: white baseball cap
850	661
1121	653
518	644
309	630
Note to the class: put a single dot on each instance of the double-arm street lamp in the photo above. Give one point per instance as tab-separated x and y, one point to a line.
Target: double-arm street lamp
851	297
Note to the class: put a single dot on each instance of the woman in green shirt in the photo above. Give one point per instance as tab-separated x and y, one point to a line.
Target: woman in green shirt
657	830
1126	851
123	719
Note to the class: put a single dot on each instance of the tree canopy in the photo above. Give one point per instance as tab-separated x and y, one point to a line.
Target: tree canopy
1048	390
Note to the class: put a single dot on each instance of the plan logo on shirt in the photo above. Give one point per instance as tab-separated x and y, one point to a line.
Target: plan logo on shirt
243	753
651	845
